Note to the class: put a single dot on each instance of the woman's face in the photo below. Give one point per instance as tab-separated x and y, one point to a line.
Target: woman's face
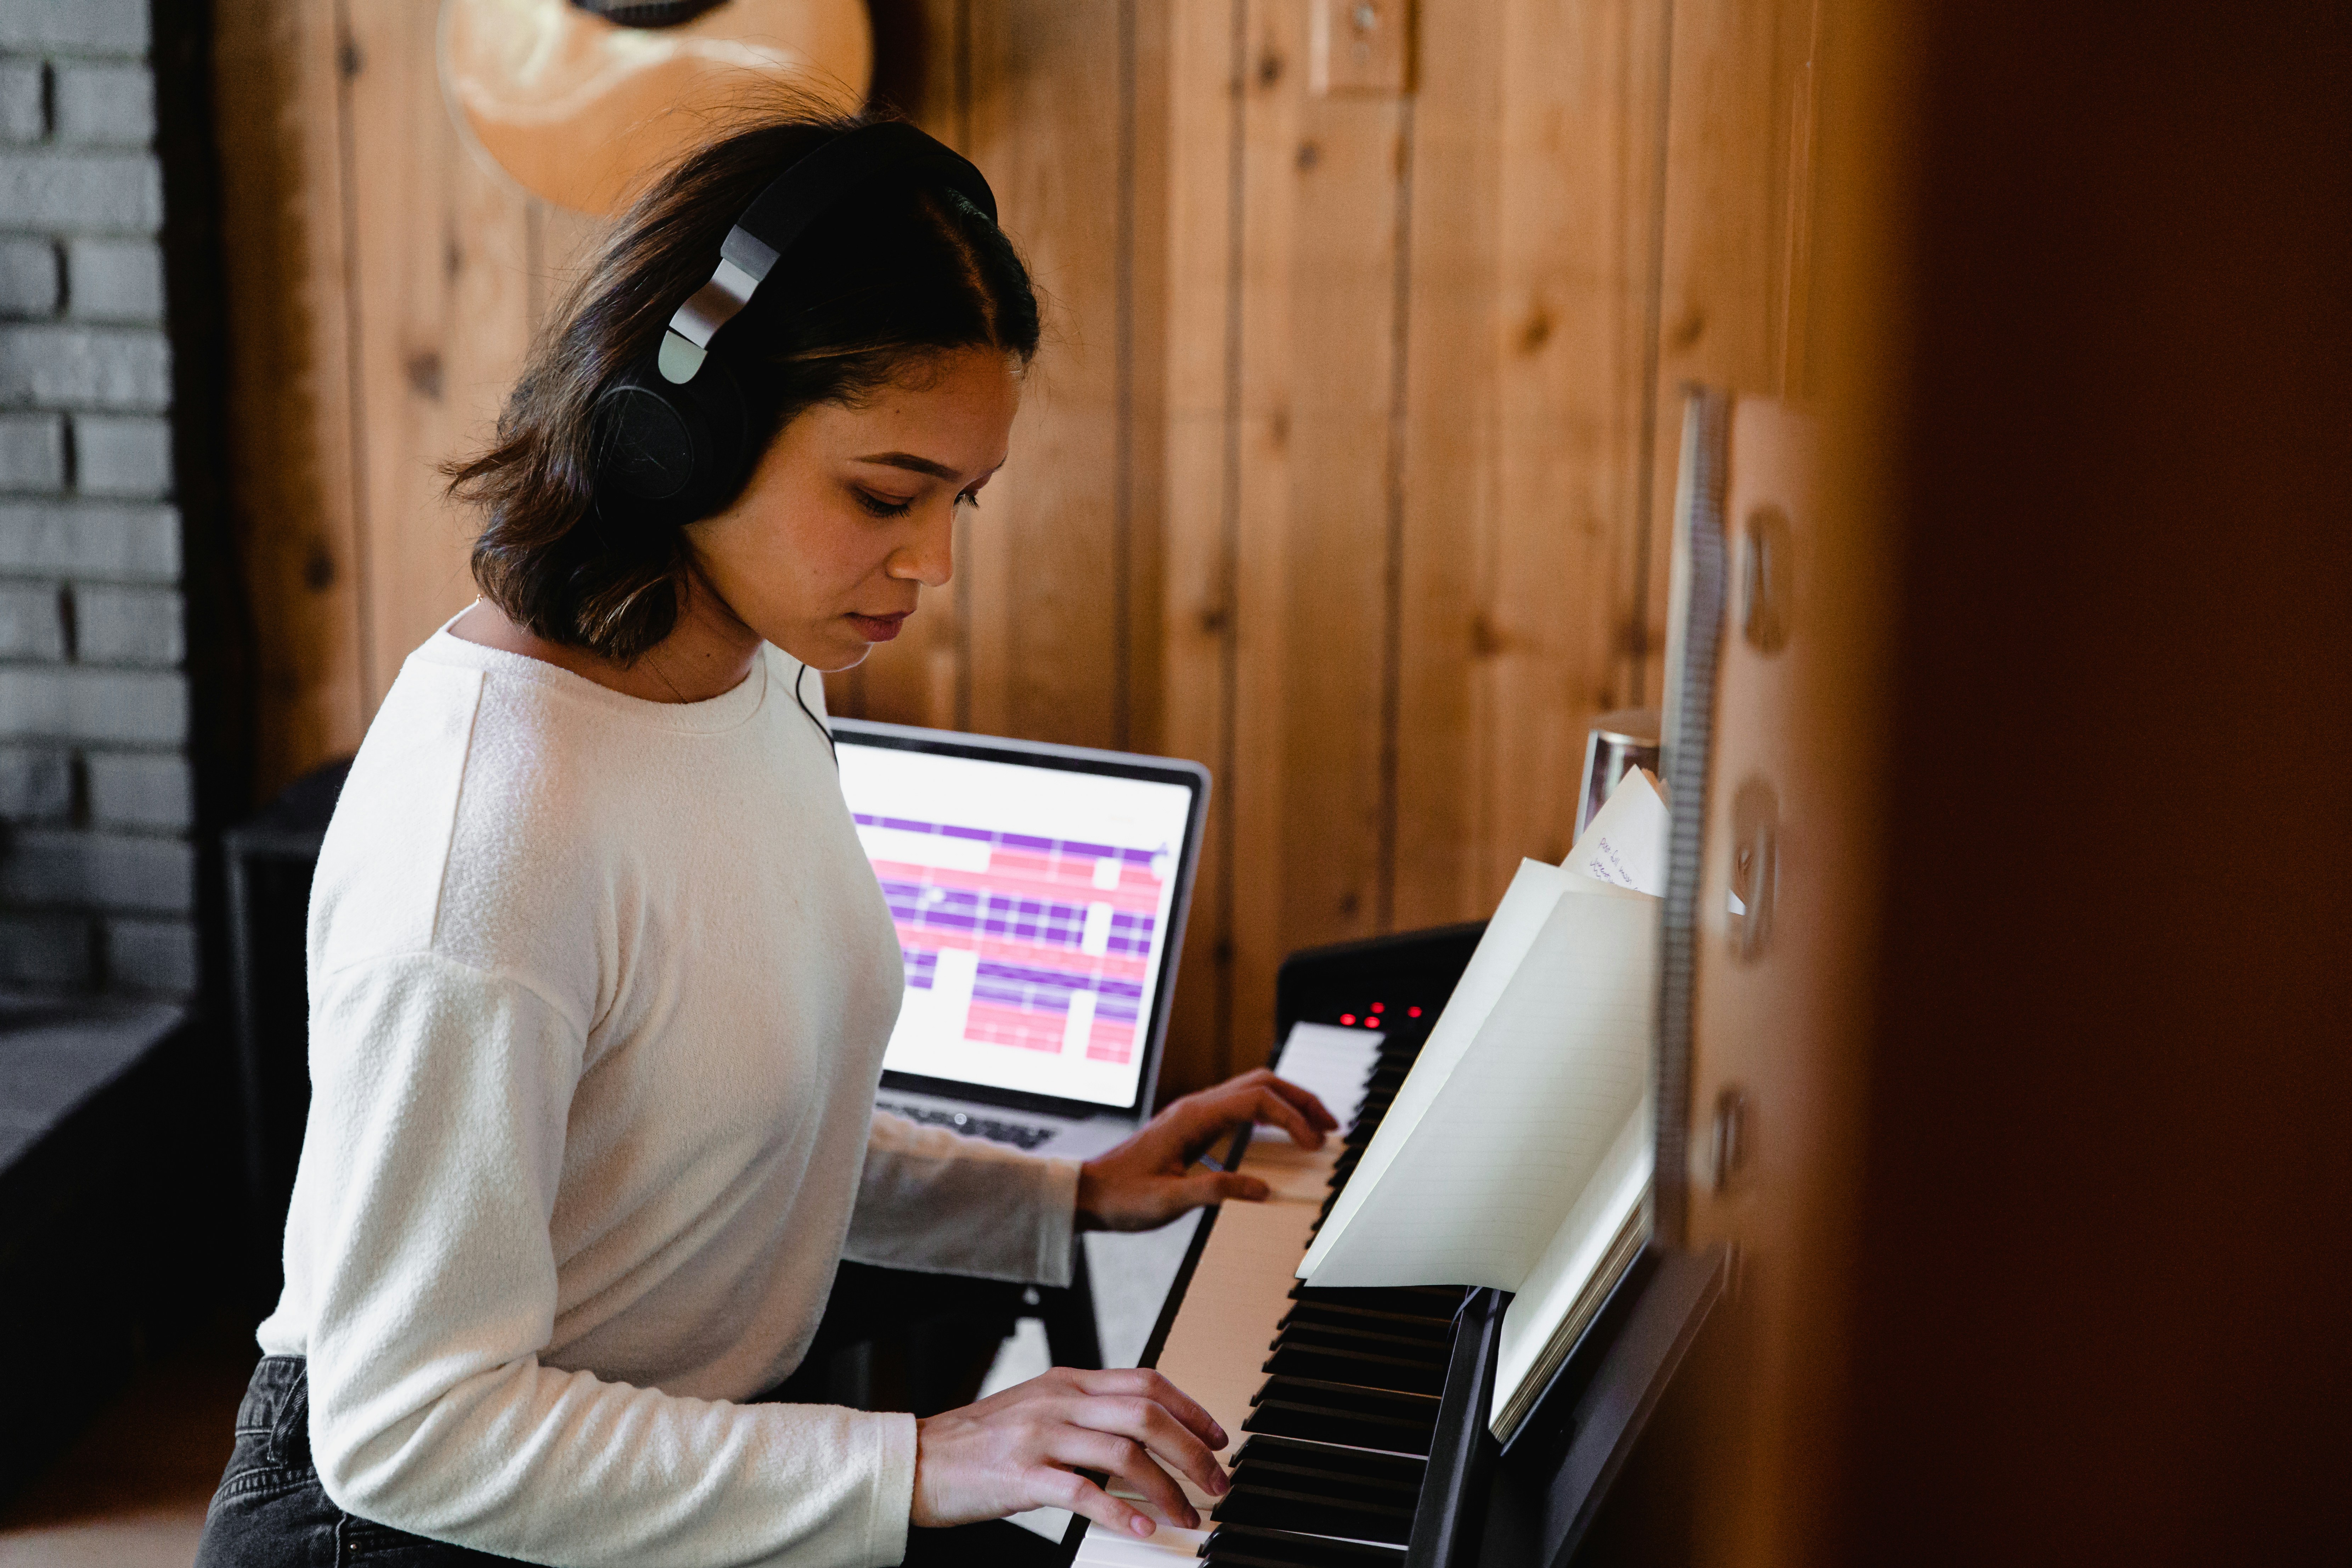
851	512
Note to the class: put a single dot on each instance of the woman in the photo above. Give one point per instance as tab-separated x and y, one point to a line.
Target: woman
600	979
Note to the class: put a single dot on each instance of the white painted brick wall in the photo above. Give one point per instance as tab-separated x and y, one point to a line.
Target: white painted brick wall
24	100
90	540
36	783
56	366
129	625
116	872
123	456
30	282
113	280
97	872
32	451
31	623
136	789
121	191
73	703
95	105
74	26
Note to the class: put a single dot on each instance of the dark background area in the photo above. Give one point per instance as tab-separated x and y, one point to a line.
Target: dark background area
2104	1256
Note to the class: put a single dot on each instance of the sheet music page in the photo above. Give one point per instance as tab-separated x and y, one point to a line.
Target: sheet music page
1517	921
1513	1128
1618	1186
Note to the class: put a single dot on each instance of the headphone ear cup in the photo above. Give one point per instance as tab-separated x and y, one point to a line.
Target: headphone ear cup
666	453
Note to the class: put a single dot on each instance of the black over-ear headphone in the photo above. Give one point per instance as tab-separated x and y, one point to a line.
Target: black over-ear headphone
674	431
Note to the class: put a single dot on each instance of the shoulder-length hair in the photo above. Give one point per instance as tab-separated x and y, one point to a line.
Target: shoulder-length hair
883	280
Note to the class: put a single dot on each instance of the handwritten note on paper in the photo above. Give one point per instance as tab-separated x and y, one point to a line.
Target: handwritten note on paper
1625	843
1510	1138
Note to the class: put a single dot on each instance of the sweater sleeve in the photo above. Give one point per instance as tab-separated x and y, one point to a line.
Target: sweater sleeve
439	1103
934	1200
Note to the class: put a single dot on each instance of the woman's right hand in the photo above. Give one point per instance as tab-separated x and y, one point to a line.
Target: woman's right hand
1021	1449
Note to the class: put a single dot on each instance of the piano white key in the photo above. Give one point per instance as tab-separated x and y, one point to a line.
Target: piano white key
1101	1548
1329	1062
1240	1287
1216	1347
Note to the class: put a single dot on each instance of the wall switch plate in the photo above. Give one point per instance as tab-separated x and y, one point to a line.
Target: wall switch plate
1360	47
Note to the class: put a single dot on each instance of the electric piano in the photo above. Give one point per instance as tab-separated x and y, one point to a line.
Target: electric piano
1359	1416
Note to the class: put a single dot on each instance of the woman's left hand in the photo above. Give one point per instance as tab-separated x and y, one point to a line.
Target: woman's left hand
1145	1183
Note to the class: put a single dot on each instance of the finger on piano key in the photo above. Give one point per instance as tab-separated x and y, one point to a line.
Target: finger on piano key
1217	1343
1171	1548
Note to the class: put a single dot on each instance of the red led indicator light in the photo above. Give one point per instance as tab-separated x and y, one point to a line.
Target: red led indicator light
1347	1017
1412	1011
1378	1005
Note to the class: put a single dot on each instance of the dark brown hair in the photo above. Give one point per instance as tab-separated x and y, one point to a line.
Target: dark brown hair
885	280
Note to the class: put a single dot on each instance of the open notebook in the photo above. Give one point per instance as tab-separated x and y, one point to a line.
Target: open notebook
1517	1152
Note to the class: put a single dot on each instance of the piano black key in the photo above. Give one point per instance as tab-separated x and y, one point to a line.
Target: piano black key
1362	1467
1332	1412
1368	1329
1319	1491
1311	1334
1405	1300
1254	1546
1340	1303
1284	1508
1360	1369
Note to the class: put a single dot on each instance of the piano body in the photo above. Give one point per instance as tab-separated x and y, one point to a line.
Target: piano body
1360	1416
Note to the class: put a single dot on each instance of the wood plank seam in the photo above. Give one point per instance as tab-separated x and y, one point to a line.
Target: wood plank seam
347	67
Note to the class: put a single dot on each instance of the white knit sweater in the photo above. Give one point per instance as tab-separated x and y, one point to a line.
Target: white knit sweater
599	993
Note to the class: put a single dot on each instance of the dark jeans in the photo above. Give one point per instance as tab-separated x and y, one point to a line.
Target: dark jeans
271	1512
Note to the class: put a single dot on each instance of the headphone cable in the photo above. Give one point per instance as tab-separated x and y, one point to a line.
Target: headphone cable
814	719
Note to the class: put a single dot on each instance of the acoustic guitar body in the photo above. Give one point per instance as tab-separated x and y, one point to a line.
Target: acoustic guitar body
578	108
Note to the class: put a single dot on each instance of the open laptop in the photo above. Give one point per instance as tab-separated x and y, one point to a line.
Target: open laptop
1040	894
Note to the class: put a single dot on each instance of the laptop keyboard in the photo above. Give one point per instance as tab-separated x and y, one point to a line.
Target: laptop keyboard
1020	1134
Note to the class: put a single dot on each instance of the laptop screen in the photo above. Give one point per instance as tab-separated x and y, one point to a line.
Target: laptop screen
1039	895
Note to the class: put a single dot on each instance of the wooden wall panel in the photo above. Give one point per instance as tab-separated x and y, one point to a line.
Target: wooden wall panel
383	286
1320	182
923	63
1052	631
1047	597
1204	50
440	260
1270	79
290	417
1534	185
